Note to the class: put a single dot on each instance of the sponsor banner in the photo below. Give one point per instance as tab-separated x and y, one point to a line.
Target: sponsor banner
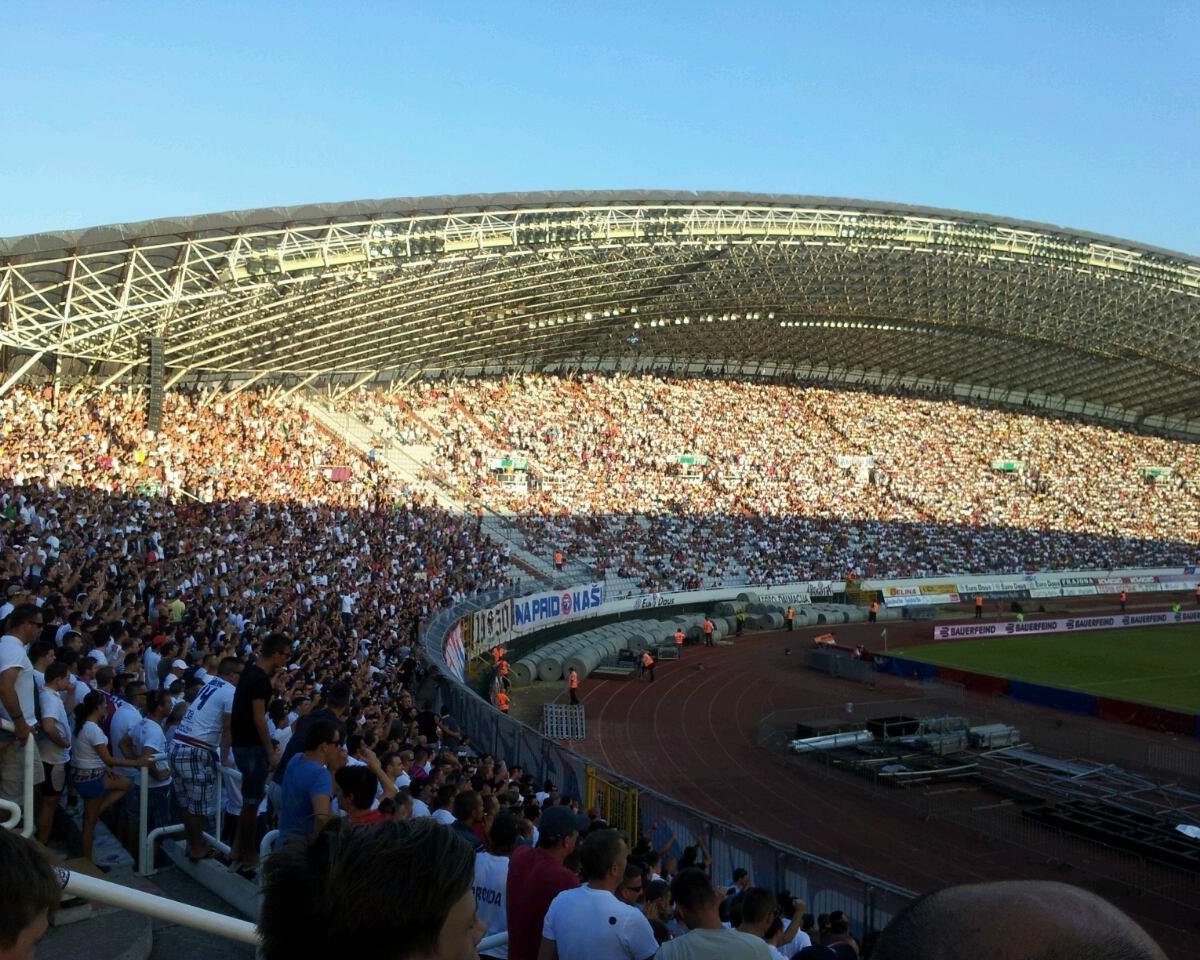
453	652
1120	621
927	600
1056	591
798	595
541	610
798	592
913	591
653	600
489	627
1062	582
647	602
940	589
1176	581
992	585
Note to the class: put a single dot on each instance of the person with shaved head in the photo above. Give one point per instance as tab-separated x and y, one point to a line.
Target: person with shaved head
1014	920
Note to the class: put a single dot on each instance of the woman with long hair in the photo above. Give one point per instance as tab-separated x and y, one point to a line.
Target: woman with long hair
92	763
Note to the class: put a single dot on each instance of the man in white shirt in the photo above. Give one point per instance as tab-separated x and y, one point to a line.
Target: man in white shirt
698	906
17	693
201	741
151	660
149	741
420	791
15	593
123	720
491	881
54	744
589	922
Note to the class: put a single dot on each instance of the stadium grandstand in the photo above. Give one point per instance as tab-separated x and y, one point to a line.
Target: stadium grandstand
347	442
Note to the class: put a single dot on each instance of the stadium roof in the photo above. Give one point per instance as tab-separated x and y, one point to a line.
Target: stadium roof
811	287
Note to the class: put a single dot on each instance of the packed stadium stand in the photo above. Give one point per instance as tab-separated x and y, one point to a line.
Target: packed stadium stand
354	425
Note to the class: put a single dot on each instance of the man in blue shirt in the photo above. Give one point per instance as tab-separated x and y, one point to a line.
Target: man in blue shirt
307	795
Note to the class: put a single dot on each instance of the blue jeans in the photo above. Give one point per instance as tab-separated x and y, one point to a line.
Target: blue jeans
252	764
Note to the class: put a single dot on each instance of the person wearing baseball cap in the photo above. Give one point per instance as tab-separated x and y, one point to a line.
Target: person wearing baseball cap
536	876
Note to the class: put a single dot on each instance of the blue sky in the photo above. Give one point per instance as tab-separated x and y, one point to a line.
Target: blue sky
1085	115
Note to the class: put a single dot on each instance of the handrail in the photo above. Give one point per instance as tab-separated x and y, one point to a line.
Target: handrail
219	827
29	814
113	894
127	898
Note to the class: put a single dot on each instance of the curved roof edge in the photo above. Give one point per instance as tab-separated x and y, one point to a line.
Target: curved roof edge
70	240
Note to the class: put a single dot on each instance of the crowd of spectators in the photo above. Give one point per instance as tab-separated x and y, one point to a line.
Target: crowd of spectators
241	589
794	483
158	557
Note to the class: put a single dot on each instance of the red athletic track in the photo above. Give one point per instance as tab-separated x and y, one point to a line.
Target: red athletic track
693	735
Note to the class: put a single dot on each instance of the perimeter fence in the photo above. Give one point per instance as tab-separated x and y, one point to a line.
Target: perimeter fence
671	826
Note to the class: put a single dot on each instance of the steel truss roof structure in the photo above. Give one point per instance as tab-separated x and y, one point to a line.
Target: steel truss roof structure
843	290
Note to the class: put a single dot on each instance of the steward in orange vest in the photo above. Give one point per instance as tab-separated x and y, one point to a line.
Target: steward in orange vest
679	637
573	686
874	611
502	701
648	665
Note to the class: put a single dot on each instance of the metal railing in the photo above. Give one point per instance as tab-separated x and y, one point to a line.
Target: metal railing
148	904
27	816
870	901
114	894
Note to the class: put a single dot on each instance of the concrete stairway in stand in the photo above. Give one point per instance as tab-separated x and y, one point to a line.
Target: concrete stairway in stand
408	463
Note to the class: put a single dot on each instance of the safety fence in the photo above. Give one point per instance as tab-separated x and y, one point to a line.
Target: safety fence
669	825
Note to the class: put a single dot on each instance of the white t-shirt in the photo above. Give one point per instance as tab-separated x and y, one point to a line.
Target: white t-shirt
420	808
281	736
720	944
150	734
13	655
53	708
491	880
83	748
442	815
801	941
151	661
80	689
205	716
124	722
580	922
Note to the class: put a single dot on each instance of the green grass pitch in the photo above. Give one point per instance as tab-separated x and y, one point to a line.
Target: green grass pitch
1159	666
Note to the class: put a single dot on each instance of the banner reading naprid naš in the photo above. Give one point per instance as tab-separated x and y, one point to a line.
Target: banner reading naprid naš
541	610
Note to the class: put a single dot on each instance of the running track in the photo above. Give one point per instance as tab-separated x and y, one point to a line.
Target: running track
693	735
